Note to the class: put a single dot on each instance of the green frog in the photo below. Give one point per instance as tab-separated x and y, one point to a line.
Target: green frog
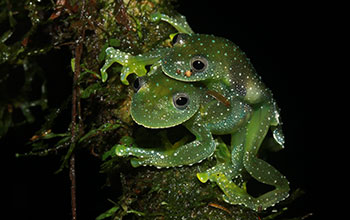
209	86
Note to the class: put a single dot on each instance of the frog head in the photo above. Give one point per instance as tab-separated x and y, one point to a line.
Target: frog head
161	102
196	57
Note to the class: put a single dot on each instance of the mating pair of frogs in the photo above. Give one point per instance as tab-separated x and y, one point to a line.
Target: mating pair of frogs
209	86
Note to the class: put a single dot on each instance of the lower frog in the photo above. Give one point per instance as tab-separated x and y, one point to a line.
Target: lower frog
162	102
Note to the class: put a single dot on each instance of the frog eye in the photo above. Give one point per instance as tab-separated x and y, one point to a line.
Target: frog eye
199	64
181	100
138	83
178	38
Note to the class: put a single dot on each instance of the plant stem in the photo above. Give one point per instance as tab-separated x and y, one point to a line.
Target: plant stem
73	186
76	109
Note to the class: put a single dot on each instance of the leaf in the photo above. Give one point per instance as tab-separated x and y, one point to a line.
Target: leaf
72	64
127	140
110	212
6	36
91	89
222	153
103	128
114	42
102	54
53	135
104	76
110	153
10	53
136	212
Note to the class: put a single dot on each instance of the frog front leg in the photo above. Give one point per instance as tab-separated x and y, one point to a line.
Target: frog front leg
188	154
131	64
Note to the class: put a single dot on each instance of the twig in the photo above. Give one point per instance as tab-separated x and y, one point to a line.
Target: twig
76	110
73	186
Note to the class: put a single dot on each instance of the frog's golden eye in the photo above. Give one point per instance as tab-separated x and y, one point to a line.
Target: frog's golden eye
138	83
199	64
181	100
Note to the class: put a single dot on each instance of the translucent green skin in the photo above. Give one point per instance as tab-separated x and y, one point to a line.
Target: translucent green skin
231	100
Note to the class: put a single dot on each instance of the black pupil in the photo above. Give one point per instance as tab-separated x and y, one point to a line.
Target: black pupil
137	84
181	101
174	41
198	65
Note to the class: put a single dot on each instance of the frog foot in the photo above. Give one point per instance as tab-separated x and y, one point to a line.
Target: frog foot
136	162
222	168
131	64
203	177
210	174
146	156
123	151
236	195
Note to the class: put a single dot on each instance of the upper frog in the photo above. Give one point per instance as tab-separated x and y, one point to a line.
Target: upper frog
208	85
217	62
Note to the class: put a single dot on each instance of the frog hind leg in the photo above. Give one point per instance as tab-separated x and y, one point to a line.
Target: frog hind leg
259	169
246	142
227	175
187	154
232	165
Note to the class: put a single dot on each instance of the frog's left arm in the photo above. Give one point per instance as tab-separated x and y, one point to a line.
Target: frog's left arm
131	64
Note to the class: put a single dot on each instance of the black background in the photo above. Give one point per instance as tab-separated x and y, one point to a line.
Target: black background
279	40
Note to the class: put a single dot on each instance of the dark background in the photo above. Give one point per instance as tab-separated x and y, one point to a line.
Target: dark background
282	41
279	40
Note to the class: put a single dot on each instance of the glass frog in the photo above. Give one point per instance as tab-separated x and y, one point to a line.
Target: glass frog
207	84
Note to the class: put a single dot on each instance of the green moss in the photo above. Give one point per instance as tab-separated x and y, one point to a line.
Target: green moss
174	193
